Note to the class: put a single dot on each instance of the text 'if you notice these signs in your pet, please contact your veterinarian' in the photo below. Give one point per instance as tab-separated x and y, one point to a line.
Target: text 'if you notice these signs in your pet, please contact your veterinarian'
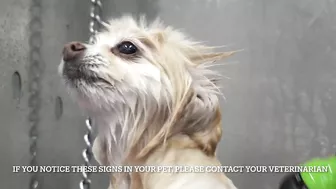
169	169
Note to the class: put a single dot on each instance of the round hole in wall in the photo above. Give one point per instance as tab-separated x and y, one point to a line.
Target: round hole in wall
58	107
16	86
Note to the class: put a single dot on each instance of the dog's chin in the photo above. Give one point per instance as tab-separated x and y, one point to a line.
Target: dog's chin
91	96
80	75
85	85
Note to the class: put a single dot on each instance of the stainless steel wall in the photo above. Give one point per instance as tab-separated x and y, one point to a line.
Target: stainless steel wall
280	100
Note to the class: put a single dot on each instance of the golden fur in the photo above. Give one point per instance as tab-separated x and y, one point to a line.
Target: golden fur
159	107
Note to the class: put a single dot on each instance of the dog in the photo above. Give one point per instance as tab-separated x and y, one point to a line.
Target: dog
153	99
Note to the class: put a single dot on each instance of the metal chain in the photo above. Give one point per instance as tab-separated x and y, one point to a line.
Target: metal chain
95	16
35	71
95	23
87	156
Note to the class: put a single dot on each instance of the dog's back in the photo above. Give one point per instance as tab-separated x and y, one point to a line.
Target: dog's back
188	168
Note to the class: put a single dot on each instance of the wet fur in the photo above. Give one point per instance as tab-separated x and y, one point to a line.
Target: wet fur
158	107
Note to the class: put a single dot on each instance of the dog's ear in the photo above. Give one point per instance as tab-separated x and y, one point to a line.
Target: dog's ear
159	37
155	41
210	57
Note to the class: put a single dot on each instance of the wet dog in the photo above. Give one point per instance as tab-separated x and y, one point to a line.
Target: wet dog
153	100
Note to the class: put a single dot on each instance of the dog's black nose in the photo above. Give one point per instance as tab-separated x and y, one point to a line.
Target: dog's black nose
73	50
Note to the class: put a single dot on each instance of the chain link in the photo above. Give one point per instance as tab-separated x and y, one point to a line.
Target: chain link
35	70
95	18
95	23
87	156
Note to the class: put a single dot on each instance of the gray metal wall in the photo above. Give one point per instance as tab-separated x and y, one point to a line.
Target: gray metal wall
280	101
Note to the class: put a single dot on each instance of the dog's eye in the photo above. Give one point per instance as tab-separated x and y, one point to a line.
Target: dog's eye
127	47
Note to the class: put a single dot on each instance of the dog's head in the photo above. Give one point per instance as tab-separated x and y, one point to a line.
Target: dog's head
145	69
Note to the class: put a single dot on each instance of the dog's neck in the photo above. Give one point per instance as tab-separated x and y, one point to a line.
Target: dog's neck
126	127
129	129
118	128
112	145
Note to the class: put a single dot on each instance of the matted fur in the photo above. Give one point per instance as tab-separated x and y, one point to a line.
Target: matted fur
158	108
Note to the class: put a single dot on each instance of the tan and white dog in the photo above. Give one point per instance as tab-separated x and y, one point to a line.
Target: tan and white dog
153	100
